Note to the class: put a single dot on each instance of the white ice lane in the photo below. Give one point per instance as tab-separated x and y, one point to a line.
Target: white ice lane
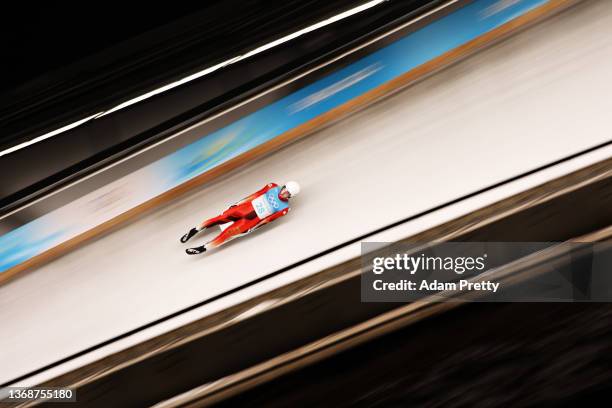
534	99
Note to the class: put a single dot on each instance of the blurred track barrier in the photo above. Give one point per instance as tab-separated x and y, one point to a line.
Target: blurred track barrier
442	37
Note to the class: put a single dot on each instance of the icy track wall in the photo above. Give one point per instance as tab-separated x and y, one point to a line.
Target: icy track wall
366	79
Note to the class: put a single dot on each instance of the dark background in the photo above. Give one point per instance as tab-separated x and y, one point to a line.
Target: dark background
85	58
41	38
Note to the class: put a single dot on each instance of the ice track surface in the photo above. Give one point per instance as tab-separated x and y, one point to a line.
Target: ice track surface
533	99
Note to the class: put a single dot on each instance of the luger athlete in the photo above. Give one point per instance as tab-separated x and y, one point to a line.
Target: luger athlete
248	214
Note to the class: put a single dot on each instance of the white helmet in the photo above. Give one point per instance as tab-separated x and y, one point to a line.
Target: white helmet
293	188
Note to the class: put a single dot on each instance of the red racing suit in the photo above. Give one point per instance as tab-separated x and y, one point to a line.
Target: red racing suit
248	214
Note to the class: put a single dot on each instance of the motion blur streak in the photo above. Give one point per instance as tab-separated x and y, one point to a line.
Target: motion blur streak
534	99
246	55
48	135
199	74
